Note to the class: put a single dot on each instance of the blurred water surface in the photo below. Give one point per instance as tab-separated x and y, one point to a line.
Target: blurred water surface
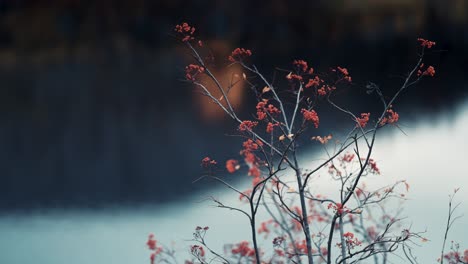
432	158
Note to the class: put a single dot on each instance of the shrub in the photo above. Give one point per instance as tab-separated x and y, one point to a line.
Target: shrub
354	224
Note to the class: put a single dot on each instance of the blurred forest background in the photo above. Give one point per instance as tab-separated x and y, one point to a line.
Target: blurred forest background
93	111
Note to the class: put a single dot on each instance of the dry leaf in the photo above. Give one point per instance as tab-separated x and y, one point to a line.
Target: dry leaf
266	89
323	140
407	186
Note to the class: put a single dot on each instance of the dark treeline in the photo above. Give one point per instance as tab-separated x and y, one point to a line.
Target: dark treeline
93	112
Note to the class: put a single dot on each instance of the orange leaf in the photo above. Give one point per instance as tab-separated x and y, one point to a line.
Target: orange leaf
266	89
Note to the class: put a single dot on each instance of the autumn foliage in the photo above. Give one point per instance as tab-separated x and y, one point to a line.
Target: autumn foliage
290	222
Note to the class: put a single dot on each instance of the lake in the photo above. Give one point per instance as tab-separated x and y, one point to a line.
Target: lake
431	157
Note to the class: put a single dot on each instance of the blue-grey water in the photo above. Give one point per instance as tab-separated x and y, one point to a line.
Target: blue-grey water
431	157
